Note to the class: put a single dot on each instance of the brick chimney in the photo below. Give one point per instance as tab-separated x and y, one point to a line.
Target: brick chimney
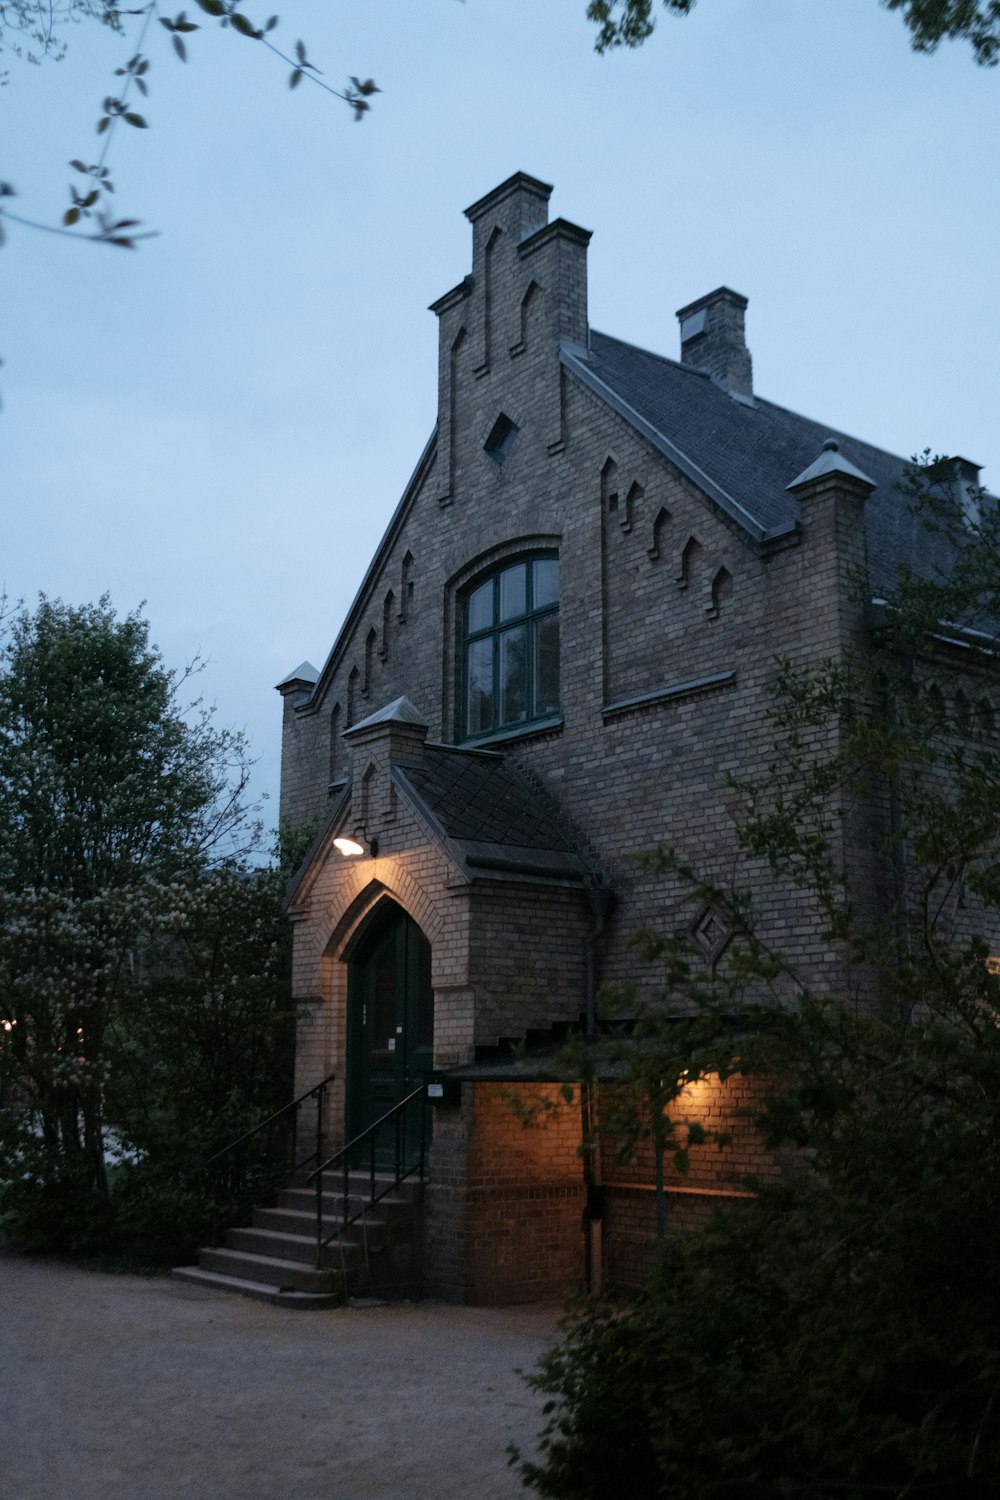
713	339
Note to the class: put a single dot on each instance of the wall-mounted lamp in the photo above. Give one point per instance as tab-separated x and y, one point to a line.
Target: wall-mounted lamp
354	845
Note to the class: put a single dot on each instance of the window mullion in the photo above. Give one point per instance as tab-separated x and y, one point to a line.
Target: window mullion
495	637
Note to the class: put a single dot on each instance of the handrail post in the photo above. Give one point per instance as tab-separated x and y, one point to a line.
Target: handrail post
345	1203
320	1100
422	1105
319	1221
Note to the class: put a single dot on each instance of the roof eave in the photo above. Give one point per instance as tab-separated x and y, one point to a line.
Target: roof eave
389	536
574	359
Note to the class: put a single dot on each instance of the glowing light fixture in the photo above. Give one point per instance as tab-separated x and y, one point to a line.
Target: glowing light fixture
354	845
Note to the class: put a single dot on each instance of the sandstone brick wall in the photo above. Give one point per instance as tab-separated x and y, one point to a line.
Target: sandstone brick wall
670	621
662	597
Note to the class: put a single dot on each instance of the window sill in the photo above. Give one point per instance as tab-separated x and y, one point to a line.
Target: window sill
668	694
519	732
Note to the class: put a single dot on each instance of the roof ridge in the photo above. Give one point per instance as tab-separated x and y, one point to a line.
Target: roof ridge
664	359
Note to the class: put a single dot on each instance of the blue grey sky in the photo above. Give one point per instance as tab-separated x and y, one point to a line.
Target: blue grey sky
221	423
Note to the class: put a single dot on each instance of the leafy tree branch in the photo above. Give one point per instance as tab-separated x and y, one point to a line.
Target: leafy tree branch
629	23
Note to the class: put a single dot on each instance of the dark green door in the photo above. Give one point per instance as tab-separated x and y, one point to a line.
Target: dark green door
390	1033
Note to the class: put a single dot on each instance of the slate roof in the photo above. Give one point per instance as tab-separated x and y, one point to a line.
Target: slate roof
748	452
493	818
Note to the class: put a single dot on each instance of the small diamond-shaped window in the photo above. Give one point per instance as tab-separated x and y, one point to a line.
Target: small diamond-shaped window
502	435
712	932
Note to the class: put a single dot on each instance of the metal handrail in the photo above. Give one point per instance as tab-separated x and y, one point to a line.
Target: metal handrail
342	1157
317	1091
292	1164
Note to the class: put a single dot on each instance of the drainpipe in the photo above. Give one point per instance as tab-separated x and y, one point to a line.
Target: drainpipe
876	614
599	898
898	854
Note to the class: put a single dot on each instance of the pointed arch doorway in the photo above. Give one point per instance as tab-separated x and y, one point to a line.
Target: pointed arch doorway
390	1029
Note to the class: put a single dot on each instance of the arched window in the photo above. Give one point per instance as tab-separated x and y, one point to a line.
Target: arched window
510	647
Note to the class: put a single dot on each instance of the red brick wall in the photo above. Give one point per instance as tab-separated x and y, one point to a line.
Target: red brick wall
524	1197
716	1177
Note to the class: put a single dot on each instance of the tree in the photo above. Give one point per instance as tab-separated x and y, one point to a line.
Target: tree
842	1337
117	802
629	23
199	1053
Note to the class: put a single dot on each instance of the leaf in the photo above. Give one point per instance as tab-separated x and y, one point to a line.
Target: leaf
71	216
243	26
300	51
271	23
102	125
295	79
141	86
136	120
213	7
77	165
179	47
90	199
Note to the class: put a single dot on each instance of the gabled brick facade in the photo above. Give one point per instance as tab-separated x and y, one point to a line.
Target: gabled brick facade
700	532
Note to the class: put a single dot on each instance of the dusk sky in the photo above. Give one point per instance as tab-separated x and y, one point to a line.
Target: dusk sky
220	424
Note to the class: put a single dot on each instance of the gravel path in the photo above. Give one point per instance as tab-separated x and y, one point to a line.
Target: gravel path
127	1388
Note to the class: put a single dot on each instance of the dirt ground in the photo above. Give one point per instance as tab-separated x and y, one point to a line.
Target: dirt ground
127	1388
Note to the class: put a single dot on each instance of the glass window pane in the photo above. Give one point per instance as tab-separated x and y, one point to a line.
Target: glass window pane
546	634
480	615
514	592
479	689
513	676
545	581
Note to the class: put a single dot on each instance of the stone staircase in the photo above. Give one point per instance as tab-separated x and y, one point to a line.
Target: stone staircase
274	1259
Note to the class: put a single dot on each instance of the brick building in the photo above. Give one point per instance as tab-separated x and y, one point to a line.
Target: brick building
559	651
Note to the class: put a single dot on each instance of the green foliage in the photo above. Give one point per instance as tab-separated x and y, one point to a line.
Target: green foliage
628	23
842	1335
143	960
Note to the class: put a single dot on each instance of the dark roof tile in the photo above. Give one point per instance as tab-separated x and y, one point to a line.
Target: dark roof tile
752	451
497	817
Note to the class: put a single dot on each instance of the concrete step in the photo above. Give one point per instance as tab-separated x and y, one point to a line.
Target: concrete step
215	1281
395	1208
359	1184
279	1244
286	1275
371	1228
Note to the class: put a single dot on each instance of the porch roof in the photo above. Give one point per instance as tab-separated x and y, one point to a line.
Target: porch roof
495	821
